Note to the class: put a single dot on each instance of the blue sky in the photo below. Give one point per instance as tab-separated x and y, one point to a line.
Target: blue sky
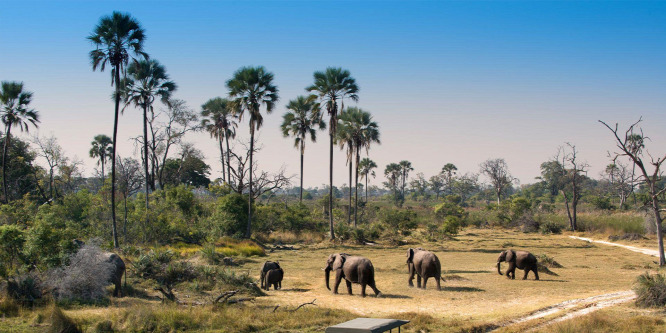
456	82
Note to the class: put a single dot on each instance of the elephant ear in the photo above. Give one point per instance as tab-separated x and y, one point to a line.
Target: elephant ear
339	261
510	256
410	255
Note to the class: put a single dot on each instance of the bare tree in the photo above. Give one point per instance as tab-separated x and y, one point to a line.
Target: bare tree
498	172
573	175
263	182
167	129
130	179
64	174
651	180
620	177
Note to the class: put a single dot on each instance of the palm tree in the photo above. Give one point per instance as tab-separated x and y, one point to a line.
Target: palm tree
147	79
304	118
345	139
406	167
331	86
220	121
14	113
393	172
101	148
365	169
115	37
362	132
251	87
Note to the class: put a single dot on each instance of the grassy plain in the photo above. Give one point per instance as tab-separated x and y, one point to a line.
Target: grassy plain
474	297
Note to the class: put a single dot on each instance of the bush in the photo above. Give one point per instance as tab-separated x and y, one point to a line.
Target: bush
650	290
451	225
519	207
550	228
229	216
24	289
84	279
601	203
547	261
402	220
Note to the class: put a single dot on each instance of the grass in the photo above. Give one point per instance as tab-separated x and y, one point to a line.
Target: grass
228	247
474	296
601	222
620	319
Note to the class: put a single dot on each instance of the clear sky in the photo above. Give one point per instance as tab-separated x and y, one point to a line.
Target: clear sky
455	82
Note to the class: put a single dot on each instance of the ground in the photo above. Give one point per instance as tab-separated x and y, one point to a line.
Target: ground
474	296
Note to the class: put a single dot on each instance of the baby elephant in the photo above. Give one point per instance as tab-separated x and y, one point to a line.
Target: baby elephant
274	278
267	266
424	264
518	259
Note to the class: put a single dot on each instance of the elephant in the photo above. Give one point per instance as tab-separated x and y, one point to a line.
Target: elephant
274	278
424	264
518	259
117	264
267	266
353	269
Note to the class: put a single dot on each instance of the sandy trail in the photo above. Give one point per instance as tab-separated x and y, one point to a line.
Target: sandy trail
589	304
650	252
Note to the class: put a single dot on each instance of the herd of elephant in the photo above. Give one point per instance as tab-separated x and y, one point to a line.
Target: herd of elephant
422	263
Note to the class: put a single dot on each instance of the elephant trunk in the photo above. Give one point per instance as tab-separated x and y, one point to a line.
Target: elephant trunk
498	267
327	272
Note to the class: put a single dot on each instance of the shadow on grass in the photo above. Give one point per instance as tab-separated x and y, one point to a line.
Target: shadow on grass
462	289
394	296
298	290
455	271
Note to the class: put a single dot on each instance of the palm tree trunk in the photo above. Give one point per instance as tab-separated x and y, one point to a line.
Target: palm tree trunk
350	188
113	158
125	220
249	198
103	158
358	157
302	154
145	156
222	158
330	187
226	138
4	164
366	188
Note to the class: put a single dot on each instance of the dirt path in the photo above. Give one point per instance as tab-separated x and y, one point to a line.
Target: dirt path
586	305
650	252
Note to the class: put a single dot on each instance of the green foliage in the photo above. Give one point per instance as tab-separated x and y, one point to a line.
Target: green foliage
277	216
229	217
520	206
551	227
451	225
402	220
650	290
12	239
449	208
601	203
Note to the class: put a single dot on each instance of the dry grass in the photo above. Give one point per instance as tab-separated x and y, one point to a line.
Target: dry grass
624	318
473	298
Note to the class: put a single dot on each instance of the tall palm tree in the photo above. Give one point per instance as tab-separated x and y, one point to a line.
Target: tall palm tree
365	169
345	139
331	86
406	167
393	173
115	37
146	80
304	118
101	148
252	87
14	113
219	120
362	132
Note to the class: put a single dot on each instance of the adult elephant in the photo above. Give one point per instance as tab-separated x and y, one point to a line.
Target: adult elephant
267	266
424	264
518	259
353	269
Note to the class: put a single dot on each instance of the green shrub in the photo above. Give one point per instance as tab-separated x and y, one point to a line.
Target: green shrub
229	216
520	206
402	220
451	225
209	253
650	290
550	228
601	203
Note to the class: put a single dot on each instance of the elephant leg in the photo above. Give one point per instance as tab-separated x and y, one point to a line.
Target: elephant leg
363	284
116	290
425	281
261	278
511	271
280	284
437	278
418	281
372	285
349	285
527	270
536	274
411	276
338	279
